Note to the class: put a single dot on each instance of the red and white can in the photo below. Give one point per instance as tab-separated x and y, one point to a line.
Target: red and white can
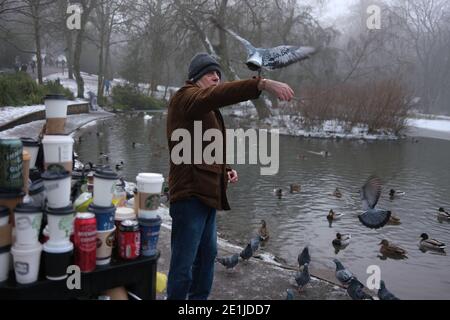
85	241
129	240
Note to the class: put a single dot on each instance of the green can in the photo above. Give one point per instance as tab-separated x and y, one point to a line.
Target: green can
11	165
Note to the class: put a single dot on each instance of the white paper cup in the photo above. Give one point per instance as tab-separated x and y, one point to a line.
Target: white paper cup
58	187
4	263
27	260
28	221
104	186
32	147
56	259
105	244
150	182
57	149
60	225
55	106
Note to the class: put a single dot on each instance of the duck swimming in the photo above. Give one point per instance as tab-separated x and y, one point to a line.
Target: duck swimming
431	244
334	216
119	166
394	220
391	250
342	240
294	188
263	232
337	193
443	214
393	193
278	192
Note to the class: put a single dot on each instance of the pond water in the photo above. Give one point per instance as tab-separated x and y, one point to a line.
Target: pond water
421	169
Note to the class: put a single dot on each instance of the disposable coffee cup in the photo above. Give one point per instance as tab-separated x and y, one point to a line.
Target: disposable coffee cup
58	187
105	244
55	113
37	193
149	187
32	147
149	235
28	224
104	216
58	149
104	187
26	261
11	200
4	262
57	257
60	224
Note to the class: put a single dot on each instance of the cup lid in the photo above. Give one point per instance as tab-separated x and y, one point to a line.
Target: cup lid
150	177
36	187
105	173
124	213
5	249
29	142
18	248
60	211
26	208
63	247
4	212
55	97
55	173
94	208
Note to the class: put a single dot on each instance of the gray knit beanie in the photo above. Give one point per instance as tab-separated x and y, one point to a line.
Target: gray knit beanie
201	64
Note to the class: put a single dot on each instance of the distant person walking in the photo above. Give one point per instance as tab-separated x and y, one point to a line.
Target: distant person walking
33	65
107	86
63	65
24	67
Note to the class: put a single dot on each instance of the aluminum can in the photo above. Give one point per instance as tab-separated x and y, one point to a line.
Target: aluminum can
85	241
129	240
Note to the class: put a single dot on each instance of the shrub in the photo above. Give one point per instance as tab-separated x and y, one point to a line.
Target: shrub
128	96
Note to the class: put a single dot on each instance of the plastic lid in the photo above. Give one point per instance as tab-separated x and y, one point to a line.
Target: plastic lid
64	247
26	208
92	207
105	173
12	195
57	139
4	212
129	225
124	213
55	174
150	177
17	248
6	249
36	187
55	97
60	211
29	142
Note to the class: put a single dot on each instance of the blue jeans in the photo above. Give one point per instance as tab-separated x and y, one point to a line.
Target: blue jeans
194	249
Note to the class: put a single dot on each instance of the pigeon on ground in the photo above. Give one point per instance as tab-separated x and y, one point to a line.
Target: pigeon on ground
303	278
304	257
385	294
342	274
230	261
247	253
356	290
254	243
370	194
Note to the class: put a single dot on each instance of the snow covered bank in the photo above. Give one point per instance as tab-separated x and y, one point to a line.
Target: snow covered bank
436	125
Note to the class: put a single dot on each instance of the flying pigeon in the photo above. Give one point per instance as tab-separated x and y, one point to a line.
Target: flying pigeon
356	290
229	262
342	274
247	253
270	58
385	294
304	257
370	193
302	278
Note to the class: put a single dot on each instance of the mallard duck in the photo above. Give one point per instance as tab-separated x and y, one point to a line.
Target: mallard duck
334	216
394	220
393	193
278	192
103	156
263	232
294	188
119	166
342	239
388	249
431	244
443	214
337	193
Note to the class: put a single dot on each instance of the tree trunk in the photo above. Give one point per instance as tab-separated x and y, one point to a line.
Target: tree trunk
37	38
69	53
76	64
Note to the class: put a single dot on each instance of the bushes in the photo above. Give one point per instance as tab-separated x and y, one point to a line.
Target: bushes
19	89
380	105
128	96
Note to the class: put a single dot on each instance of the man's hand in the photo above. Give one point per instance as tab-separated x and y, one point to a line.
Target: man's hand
281	90
232	176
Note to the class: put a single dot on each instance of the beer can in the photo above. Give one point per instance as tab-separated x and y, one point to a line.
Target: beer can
129	240
85	241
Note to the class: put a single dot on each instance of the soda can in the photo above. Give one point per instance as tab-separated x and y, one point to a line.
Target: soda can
129	240
85	241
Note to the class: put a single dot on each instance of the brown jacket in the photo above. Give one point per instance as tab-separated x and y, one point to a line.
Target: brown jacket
208	182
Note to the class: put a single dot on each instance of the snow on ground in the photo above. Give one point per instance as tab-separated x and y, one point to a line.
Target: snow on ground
436	125
90	82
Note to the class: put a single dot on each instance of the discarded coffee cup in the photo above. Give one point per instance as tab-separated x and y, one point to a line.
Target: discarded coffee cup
57	257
